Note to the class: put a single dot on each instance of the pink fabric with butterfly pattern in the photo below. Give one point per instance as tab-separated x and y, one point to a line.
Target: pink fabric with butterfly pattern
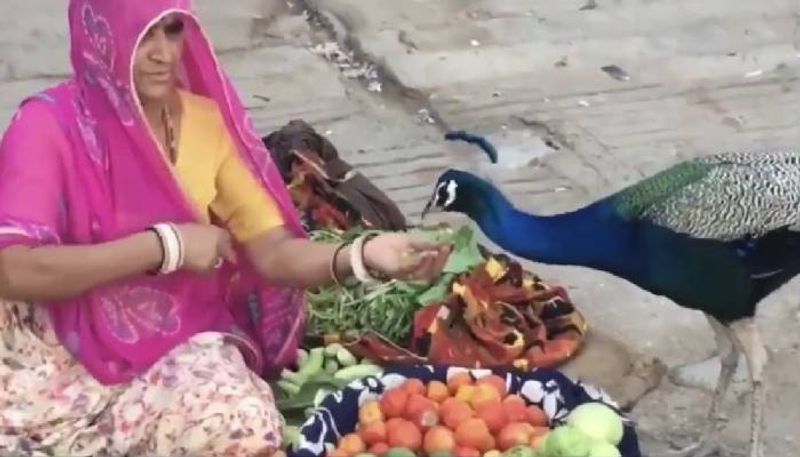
78	165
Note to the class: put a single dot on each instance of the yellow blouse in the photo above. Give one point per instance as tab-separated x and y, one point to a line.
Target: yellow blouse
214	176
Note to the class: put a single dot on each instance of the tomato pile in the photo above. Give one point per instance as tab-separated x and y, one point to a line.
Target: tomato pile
462	418
466	418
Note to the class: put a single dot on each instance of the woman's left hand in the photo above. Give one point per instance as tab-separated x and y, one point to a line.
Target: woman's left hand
401	256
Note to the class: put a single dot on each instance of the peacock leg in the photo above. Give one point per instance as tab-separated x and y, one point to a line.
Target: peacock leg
729	359
748	338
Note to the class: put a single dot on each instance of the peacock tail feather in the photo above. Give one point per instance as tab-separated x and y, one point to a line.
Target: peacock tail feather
723	197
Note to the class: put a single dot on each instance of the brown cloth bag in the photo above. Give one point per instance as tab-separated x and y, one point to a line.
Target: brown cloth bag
324	186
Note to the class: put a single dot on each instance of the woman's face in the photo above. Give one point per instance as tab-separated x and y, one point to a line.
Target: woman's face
156	61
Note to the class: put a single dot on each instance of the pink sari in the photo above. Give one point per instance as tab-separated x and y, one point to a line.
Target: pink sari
97	174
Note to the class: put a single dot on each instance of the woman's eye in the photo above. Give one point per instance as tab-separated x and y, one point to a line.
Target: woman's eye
174	28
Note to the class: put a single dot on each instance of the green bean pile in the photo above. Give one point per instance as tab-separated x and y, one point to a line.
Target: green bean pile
387	308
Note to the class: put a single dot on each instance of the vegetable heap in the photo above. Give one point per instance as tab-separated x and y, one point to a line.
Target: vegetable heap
321	370
466	418
389	308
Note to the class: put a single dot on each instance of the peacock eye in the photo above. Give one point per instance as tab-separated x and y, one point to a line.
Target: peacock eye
450	190
439	194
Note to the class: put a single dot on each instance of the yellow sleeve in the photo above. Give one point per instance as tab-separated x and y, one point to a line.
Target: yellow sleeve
241	202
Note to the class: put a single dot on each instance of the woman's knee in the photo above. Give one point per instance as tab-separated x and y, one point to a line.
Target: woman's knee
257	424
248	426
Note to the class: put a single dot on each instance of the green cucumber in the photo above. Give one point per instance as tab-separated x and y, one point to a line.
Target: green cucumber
289	388
293	377
312	366
357	372
345	358
332	349
314	363
331	366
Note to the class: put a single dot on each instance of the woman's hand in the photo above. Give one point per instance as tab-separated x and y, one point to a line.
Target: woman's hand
401	256
205	246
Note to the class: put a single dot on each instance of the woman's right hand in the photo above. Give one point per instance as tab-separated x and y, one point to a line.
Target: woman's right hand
205	246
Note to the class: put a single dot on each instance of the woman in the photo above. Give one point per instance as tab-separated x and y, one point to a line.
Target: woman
132	324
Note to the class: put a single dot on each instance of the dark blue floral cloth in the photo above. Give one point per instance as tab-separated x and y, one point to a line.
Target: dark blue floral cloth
556	394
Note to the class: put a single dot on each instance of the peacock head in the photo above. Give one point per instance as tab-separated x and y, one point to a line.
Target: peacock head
458	191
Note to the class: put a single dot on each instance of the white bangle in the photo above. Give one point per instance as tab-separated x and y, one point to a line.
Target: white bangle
172	248
181	247
357	262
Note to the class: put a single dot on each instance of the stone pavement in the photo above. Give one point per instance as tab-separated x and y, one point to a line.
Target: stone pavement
696	77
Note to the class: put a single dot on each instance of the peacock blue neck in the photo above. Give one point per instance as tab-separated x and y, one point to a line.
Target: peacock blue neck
585	237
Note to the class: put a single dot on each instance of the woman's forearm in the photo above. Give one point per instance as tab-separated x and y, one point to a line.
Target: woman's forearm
288	261
52	273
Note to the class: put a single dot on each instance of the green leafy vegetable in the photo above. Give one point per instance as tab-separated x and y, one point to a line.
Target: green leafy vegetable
466	253
438	291
388	308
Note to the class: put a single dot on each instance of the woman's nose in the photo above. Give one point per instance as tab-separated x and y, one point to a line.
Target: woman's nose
161	50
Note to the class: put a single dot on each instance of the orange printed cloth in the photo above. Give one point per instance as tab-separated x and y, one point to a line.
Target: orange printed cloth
498	315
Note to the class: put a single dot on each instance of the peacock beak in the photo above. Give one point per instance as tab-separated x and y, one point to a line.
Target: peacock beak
431	208
427	209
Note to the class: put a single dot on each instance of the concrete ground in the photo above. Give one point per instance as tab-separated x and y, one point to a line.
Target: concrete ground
383	79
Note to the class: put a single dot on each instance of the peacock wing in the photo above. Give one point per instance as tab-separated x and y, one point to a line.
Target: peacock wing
725	196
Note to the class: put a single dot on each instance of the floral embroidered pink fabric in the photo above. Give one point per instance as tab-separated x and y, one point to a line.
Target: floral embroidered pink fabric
200	399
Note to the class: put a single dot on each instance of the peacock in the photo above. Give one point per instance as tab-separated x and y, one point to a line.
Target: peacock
716	234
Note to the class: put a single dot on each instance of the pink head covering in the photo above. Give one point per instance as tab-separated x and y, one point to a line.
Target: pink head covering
78	165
